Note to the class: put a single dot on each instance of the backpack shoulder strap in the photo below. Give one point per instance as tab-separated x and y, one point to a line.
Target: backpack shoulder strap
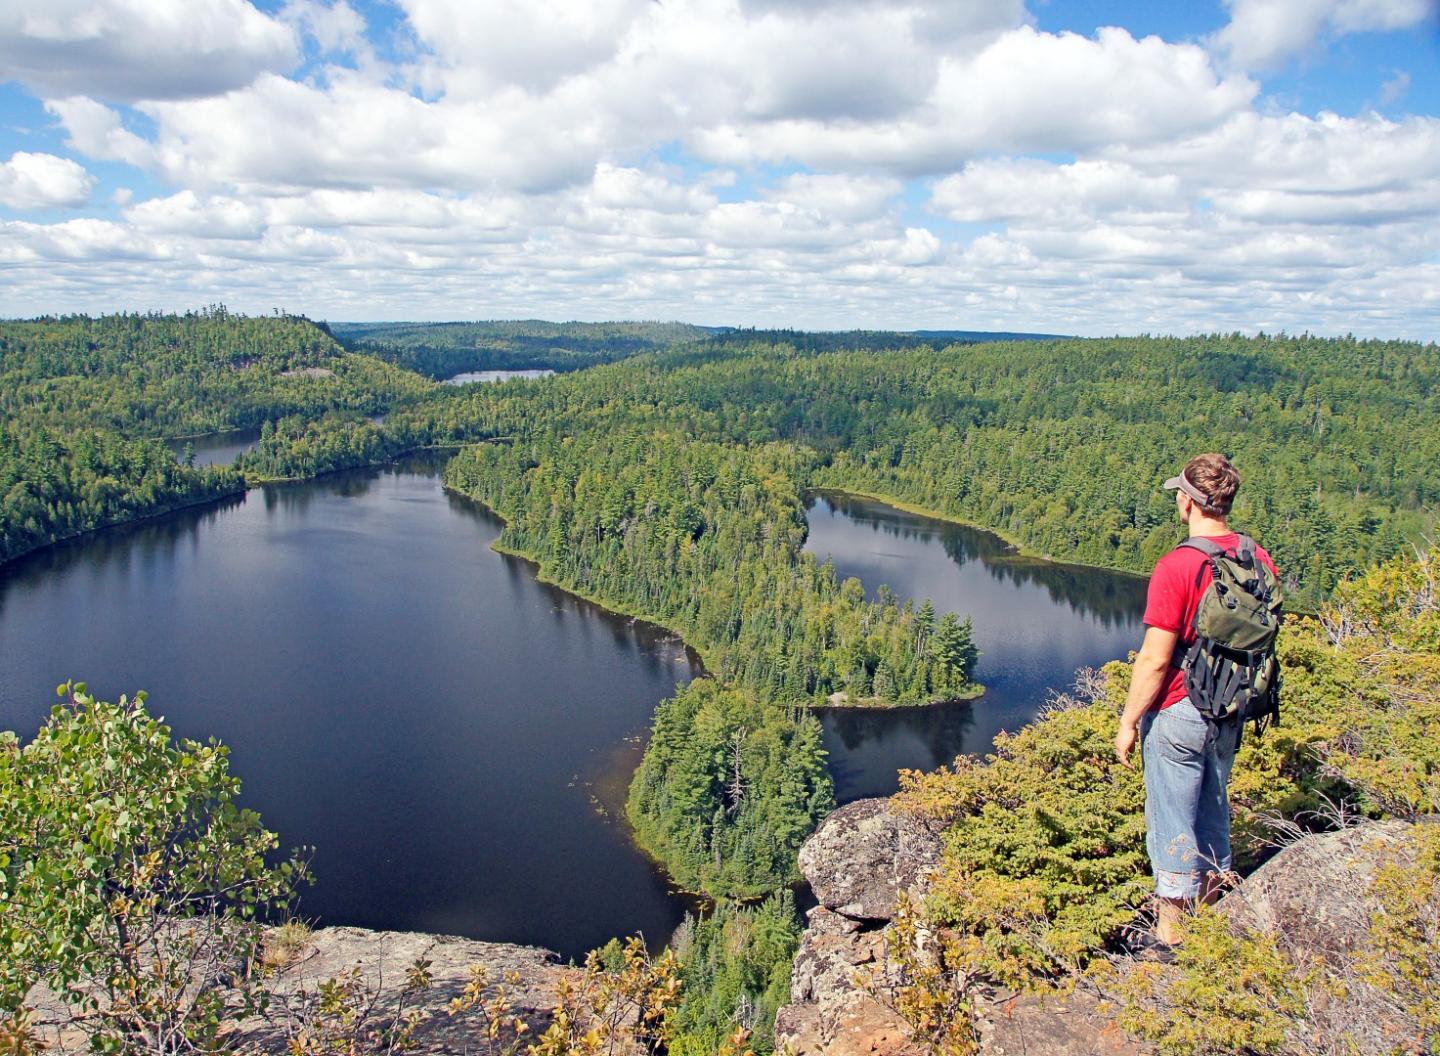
1208	547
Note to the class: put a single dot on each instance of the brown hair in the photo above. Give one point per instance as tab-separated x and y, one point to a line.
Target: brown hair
1213	475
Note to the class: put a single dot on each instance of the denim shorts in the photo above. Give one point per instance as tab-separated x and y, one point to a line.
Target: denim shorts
1187	811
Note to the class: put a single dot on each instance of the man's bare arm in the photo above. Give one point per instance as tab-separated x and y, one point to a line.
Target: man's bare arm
1145	682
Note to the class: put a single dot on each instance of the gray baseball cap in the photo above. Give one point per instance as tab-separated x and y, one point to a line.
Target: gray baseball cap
1183	483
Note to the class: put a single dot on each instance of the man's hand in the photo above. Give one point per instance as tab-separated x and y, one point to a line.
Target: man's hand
1125	742
1145	681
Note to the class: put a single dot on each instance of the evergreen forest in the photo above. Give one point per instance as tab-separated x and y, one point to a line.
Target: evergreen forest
442	350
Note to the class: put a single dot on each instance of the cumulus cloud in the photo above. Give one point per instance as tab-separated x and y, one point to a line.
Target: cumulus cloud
851	88
844	196
1262	34
1024	91
785	162
96	131
42	181
126	50
1076	193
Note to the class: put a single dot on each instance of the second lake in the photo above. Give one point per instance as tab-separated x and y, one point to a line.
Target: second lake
1036	623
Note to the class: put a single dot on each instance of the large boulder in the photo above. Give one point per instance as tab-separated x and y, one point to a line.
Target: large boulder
858	862
839	989
1315	899
864	855
1314	896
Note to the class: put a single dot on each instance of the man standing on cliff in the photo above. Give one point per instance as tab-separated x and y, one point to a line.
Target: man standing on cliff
1187	759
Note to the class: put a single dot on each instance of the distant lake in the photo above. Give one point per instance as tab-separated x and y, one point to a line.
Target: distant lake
1036	622
432	719
217	449
490	377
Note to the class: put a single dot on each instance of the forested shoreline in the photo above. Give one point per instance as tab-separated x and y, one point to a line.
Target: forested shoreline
670	484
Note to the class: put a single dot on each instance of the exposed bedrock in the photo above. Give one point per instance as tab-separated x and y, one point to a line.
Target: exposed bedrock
858	862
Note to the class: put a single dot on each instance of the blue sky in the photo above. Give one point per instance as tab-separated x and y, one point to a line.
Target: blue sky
1093	168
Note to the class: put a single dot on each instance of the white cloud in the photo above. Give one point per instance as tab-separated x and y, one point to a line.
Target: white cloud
845	87
532	44
1077	193
83	240
1345	158
42	181
185	213
752	161
1025	91
1262	34
96	131
336	26
846	197
126	50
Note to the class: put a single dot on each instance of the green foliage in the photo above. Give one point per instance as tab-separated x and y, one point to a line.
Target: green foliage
442	350
728	790
707	539
132	882
930	982
1044	861
83	401
1044	856
295	448
1228	993
735	968
1403	958
1058	445
179	375
56	486
1234	989
625	1009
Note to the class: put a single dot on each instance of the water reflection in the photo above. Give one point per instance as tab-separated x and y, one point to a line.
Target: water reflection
1105	595
217	449
867	748
394	693
1036	623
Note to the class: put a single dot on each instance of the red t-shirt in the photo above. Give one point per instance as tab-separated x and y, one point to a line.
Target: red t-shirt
1179	579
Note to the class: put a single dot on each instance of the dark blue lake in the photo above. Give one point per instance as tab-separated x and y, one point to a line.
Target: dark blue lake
420	709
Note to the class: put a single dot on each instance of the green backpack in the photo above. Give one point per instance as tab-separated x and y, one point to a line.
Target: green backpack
1231	671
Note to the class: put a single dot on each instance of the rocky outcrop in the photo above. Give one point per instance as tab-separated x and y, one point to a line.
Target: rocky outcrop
529	976
1314	895
858	863
1315	899
863	855
833	1008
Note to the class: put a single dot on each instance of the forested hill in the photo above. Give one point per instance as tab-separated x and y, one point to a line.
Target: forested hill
1060	445
869	340
442	350
84	401
176	375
